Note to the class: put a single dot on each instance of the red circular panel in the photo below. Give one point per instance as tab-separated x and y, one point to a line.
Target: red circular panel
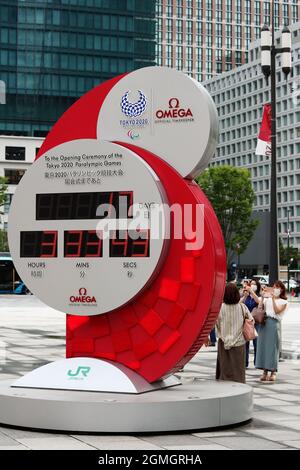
166	325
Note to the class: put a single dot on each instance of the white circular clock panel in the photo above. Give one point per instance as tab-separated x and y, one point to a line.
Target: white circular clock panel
82	227
166	112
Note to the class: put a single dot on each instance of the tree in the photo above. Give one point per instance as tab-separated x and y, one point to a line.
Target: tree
287	255
231	194
3	188
3	234
3	241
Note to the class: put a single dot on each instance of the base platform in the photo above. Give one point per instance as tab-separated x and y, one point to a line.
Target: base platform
200	405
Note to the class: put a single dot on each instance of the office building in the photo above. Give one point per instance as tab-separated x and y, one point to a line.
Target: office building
239	96
207	37
53	51
16	155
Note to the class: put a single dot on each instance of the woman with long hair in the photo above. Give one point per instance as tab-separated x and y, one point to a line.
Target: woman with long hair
268	341
231	343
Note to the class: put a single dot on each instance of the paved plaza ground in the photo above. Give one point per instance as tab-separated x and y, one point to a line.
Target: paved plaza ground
32	334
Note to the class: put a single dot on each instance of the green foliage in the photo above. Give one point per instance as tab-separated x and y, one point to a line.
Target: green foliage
3	241
231	194
286	255
3	188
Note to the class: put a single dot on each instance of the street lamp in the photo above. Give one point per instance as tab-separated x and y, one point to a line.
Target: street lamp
238	246
268	62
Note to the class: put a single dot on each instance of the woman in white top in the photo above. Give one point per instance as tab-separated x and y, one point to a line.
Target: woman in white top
268	341
231	344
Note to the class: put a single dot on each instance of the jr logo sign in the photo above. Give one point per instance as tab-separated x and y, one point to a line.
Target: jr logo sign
81	371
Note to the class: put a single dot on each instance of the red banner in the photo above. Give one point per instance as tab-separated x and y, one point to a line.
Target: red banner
264	137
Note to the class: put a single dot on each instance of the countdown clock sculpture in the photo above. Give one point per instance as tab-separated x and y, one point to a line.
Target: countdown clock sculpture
94	231
154	299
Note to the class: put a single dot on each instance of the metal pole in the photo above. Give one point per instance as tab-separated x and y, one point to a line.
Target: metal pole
238	261
288	250
273	265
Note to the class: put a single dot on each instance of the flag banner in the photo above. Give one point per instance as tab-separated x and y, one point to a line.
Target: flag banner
264	137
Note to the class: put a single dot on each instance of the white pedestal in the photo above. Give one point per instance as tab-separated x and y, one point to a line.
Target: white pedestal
90	375
201	405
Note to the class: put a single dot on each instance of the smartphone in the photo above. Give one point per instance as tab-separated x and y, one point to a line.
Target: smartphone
268	291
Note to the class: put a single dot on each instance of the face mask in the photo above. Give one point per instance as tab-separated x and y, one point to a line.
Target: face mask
254	287
277	292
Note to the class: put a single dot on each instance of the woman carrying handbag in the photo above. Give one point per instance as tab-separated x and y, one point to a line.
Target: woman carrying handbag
230	327
268	344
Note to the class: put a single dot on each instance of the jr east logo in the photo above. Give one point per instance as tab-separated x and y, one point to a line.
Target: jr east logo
83	298
80	373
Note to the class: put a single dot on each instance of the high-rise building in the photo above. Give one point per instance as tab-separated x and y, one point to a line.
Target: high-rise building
239	96
53	51
207	37
16	155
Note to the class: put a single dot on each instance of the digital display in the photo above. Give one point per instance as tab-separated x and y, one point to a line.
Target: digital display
124	243
83	244
42	244
78	206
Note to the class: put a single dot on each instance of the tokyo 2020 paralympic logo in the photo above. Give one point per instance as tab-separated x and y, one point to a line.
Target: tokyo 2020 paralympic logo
133	109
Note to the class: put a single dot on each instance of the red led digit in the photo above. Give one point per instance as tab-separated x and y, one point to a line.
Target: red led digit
49	248
130	203
45	203
142	242
115	242
73	248
95	246
111	199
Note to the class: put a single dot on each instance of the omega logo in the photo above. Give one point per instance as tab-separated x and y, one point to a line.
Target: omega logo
174	111
174	100
82	297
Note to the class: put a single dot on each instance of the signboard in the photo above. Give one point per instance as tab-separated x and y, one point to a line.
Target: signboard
166	112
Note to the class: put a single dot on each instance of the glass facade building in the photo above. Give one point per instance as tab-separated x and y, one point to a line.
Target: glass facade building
53	51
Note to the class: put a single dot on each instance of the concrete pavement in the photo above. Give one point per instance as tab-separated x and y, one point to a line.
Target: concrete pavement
291	331
32	334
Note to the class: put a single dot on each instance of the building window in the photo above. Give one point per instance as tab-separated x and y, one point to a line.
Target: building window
15	153
13	176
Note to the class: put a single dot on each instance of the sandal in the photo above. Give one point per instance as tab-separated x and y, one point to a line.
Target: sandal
272	377
264	377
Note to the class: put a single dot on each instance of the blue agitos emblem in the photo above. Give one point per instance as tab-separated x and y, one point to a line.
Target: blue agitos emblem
133	109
